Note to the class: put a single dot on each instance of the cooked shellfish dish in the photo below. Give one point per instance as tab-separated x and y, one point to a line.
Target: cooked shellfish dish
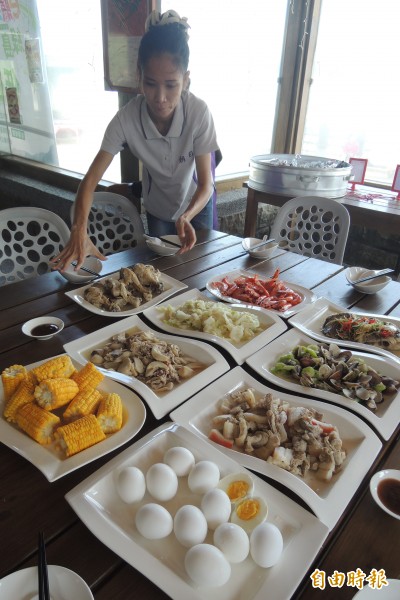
363	329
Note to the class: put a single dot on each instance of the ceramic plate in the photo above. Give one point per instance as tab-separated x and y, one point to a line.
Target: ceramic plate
389	592
171	286
47	458
160	405
387	415
393	474
272	323
311	320
97	504
63	583
327	500
307	295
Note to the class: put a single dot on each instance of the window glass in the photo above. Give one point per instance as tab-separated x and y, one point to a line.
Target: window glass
355	93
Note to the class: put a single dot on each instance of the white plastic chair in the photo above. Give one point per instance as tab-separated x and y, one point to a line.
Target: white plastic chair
114	223
313	226
29	237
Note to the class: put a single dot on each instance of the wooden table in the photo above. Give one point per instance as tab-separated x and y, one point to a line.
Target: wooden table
365	537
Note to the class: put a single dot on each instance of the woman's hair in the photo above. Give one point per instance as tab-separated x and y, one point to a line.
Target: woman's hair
165	33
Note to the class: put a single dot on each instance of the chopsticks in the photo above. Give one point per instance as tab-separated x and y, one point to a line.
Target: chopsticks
380	274
43	577
81	268
261	244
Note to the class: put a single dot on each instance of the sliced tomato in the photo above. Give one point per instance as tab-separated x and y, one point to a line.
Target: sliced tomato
217	437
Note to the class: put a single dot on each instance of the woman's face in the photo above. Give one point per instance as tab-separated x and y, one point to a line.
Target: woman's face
162	83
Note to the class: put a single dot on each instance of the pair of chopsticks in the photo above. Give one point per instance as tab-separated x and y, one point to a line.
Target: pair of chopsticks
81	268
43	577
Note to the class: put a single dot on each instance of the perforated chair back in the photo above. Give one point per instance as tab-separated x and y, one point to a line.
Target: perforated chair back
313	226
29	237
114	223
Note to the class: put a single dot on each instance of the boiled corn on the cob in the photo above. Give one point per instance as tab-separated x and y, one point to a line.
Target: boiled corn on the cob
38	423
84	403
53	393
22	395
11	377
109	413
88	376
60	366
79	434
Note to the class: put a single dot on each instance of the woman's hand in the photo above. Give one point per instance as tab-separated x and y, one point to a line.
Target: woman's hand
186	233
78	247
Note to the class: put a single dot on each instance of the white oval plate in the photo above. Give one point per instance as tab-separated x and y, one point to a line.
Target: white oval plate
389	592
64	584
373	486
308	296
272	323
387	416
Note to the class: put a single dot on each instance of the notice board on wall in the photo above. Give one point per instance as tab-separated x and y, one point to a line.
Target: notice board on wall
123	23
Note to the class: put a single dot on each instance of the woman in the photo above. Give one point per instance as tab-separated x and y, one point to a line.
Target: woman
170	131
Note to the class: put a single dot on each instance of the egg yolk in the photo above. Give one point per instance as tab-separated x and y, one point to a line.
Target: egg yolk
248	509
237	489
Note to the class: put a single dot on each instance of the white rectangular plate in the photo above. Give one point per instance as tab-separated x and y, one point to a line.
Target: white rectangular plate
162	404
171	286
49	460
327	500
307	295
311	320
272	323
387	415
97	504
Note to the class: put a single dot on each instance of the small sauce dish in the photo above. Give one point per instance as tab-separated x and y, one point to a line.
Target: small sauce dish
161	248
81	276
43	328
385	490
263	252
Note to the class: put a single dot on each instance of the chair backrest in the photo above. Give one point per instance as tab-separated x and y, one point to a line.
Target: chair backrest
313	226
29	238
114	224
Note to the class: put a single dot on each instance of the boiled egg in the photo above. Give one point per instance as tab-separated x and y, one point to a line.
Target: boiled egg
237	485
180	459
249	513
190	525
207	566
203	476
216	507
162	482
266	545
131	484
153	521
233	542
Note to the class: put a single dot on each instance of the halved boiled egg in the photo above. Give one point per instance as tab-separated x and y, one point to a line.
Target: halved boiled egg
249	513
237	486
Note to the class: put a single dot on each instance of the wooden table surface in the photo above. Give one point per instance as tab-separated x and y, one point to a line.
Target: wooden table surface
364	538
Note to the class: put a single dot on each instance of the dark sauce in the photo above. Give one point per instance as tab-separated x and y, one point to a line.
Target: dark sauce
45	329
389	494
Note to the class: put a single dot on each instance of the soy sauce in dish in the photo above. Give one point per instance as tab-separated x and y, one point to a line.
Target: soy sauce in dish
389	494
45	329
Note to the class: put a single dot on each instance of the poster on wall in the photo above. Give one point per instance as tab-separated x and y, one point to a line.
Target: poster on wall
123	24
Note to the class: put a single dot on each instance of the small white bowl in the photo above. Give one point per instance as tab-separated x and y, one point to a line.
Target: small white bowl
374	484
367	287
40	328
263	252
162	248
81	277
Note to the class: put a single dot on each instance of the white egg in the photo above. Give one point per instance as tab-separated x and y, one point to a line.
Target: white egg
162	482
131	484
233	542
153	521
249	513
266	545
207	566
216	507
237	485
180	459
190	526
203	476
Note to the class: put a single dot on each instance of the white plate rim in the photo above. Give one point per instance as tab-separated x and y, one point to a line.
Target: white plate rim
373	486
238	353
159	406
47	461
384	593
385	425
77	296
56	572
328	510
315	532
308	295
321	309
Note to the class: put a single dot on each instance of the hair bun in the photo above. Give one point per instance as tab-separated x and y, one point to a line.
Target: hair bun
156	19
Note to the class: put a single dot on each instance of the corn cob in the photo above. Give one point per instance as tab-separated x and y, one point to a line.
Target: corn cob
79	434
88	376
11	377
60	366
109	413
84	403
38	423
22	395
53	393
